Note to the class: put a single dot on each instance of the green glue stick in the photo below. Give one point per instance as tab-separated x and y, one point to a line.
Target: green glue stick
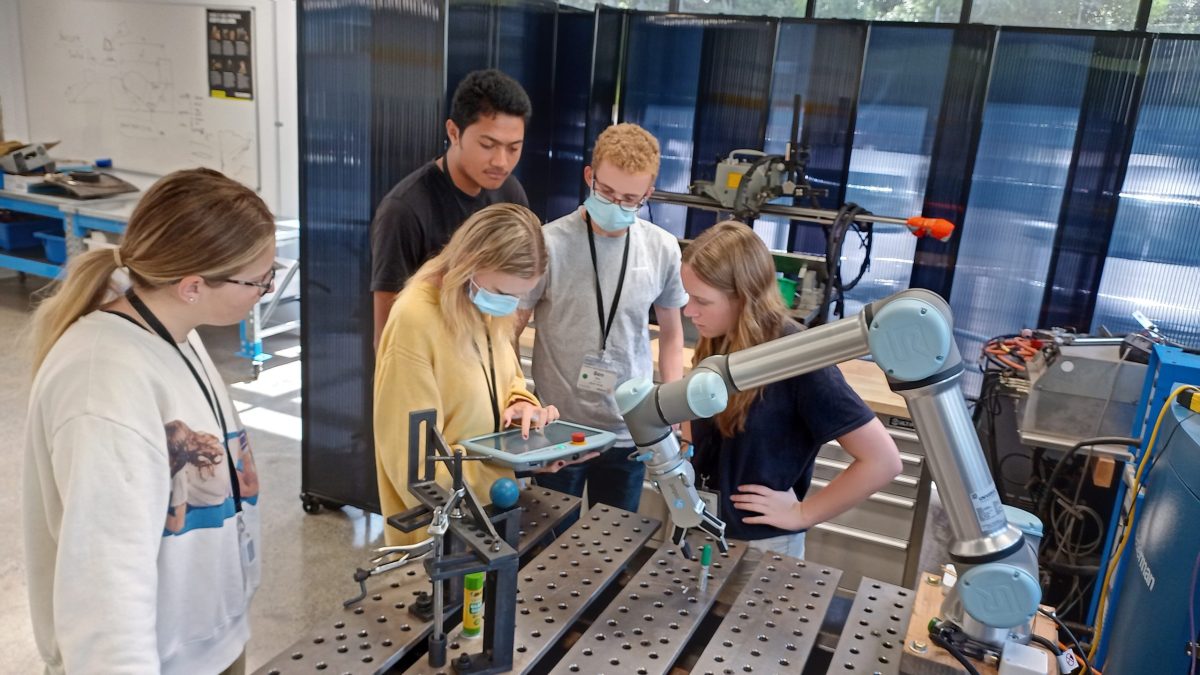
705	564
472	618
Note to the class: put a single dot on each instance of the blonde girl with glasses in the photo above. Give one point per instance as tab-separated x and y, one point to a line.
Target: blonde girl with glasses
135	564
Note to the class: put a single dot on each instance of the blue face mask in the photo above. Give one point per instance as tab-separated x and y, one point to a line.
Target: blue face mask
494	304
609	216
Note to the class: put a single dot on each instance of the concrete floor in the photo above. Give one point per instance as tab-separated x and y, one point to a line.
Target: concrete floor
308	559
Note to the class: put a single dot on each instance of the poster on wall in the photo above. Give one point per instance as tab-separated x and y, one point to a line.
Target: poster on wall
230	71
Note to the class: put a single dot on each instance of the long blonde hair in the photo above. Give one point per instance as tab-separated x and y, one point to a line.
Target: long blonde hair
192	222
731	258
503	238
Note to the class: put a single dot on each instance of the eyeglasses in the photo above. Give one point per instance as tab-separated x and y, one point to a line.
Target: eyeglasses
263	286
605	195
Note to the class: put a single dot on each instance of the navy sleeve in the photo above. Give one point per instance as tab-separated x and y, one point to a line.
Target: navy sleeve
829	406
398	245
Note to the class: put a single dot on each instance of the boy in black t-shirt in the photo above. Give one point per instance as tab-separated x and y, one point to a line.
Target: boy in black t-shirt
414	221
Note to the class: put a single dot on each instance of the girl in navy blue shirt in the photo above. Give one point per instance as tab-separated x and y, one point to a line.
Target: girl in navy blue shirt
758	454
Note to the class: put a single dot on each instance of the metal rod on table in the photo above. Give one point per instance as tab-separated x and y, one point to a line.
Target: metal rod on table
437	638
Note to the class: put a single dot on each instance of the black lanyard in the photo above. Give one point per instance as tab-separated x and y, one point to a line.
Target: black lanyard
214	401
491	384
605	327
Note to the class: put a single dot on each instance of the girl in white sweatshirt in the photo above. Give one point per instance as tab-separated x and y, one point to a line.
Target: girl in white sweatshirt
140	497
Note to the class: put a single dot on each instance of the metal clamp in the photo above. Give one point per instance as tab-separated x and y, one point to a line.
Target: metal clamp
384	563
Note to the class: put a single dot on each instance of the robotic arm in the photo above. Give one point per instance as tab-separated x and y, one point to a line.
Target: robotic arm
910	337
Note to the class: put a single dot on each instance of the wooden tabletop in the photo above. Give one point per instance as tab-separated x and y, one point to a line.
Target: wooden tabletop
864	377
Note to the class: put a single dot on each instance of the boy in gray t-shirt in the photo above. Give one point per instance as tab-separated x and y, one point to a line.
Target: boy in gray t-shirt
607	268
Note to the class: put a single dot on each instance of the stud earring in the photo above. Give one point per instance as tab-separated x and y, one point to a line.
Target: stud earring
191	299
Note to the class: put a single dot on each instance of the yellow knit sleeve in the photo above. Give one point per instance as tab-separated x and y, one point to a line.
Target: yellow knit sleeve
517	391
404	382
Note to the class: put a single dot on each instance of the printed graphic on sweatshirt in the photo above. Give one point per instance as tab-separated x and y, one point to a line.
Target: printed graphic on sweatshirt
201	495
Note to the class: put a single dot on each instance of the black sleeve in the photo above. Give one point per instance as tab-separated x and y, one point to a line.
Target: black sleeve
398	245
829	407
515	192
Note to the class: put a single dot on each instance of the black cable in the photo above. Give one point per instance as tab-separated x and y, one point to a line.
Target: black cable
840	243
835	236
945	643
1047	643
1048	488
1037	476
988	405
866	240
741	212
1079	653
1008	458
832	268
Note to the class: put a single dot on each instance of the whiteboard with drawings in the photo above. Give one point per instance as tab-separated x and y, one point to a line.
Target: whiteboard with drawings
129	80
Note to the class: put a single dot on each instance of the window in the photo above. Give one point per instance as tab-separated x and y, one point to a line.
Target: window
898	110
783	8
1153	262
648	5
1097	14
1025	149
890	10
661	90
1175	16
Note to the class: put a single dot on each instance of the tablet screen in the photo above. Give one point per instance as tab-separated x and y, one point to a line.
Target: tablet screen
512	443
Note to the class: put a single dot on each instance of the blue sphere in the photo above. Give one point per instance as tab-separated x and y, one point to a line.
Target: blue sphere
504	493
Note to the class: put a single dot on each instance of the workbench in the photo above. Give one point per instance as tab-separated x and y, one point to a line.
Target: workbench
82	217
78	216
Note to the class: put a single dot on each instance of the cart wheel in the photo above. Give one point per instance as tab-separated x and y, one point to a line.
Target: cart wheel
312	505
256	367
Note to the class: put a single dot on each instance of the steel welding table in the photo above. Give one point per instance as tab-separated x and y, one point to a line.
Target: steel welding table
573	618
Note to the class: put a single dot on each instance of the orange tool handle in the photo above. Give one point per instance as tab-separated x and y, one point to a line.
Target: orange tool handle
938	228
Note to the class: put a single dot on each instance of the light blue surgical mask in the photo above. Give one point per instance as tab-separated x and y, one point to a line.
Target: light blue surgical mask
494	304
609	216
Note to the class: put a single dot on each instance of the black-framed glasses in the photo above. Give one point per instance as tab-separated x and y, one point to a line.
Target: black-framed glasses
263	286
631	207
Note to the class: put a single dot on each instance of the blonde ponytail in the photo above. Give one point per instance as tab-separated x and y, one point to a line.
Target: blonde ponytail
79	292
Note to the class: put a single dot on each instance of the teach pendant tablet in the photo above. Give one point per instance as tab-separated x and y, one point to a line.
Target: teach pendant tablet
557	440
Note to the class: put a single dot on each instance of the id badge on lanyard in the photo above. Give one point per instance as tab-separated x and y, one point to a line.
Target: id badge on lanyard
245	543
597	374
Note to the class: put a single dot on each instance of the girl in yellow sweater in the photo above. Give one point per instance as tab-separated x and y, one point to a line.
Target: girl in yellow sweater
448	346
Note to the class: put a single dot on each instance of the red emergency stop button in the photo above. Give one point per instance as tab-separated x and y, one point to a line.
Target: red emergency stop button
577	438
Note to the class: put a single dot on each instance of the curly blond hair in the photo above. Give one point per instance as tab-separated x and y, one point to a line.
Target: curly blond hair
629	148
